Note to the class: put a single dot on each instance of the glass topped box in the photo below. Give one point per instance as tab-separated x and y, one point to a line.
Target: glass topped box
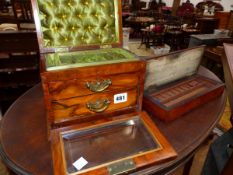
93	90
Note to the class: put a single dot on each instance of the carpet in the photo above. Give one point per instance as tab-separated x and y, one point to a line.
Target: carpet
140	50
224	122
3	169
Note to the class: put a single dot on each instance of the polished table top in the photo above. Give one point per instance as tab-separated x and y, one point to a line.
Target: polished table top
25	149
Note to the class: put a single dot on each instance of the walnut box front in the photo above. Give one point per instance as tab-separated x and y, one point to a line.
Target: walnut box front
86	93
173	87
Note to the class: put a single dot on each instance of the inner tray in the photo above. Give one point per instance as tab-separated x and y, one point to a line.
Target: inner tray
59	61
186	90
108	143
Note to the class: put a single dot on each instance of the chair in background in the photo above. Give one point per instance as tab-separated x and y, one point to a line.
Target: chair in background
188	20
126	6
185	10
23	14
153	35
6	14
173	33
3	6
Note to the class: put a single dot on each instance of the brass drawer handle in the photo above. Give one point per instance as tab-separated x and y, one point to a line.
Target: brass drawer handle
98	86
98	106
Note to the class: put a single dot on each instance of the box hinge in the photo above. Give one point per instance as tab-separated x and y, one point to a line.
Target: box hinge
106	46
121	167
61	49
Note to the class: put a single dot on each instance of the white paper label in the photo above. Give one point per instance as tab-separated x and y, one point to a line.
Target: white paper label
80	163
120	98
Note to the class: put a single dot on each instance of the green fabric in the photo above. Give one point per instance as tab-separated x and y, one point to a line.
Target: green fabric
78	22
58	61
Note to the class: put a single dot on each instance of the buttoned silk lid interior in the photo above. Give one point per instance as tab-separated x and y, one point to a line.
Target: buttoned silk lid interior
74	23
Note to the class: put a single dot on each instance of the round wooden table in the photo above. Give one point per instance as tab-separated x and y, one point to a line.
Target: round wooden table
25	149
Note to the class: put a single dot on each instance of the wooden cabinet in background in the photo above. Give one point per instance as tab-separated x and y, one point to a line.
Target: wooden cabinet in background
223	18
19	65
207	25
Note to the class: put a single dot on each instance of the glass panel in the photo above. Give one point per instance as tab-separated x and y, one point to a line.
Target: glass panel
58	61
107	143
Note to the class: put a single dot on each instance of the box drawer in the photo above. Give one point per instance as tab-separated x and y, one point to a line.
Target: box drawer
91	104
79	87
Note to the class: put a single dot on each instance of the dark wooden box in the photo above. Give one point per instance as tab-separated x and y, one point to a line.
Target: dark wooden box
180	97
181	89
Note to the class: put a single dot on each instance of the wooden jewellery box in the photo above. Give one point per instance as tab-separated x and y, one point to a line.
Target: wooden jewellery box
85	72
173	87
93	90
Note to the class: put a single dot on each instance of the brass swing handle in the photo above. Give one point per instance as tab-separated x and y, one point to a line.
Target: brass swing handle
98	106
98	86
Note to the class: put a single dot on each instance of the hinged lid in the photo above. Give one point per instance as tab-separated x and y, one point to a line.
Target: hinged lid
174	66
66	25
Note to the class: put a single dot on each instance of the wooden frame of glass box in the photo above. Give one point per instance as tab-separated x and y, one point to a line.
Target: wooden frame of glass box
132	155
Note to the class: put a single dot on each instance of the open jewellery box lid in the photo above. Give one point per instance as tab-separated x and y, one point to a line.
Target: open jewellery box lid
71	25
112	146
165	69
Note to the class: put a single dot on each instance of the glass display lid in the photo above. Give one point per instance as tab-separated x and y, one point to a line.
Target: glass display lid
112	146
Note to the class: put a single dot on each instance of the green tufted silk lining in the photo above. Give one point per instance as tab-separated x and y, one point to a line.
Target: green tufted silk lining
67	23
58	61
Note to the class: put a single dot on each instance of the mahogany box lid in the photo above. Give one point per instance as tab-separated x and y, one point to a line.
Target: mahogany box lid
174	66
94	148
